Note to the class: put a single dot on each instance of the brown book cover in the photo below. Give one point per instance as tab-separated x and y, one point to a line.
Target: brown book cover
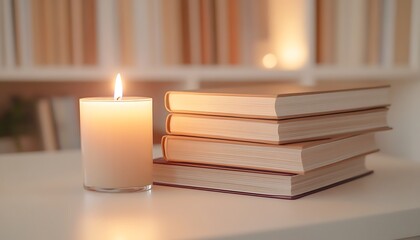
222	179
172	32
76	9
63	31
374	31
222	33
185	32
325	31
402	32
37	11
125	10
208	33
50	32
233	12
280	100
89	32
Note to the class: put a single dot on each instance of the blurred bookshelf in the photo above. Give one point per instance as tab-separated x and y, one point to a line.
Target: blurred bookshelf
58	50
188	40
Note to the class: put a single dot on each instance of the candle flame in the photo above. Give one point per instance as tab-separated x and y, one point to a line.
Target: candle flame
118	90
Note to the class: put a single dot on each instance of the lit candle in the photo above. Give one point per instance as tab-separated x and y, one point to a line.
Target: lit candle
117	142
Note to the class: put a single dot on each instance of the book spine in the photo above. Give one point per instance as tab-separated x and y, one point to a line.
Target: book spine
157	33
194	25
402	32
185	32
66	122
171	32
388	28
63	46
24	31
374	33
108	40
46	125
261	35
208	41
126	33
247	31
233	26
357	32
1	37
50	32
325	31
341	28
222	32
9	40
142	33
77	31
38	43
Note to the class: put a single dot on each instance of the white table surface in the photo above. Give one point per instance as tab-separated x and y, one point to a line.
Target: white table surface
41	197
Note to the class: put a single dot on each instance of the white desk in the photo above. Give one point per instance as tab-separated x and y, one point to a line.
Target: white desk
41	197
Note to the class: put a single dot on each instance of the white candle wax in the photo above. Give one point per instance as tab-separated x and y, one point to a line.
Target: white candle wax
117	143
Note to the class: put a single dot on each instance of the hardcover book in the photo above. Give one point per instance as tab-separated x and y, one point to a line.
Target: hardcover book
296	158
277	131
256	182
279	101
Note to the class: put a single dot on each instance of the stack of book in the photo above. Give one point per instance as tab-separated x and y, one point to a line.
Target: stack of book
279	140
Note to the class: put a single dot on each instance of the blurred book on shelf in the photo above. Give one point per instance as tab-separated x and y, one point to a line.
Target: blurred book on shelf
58	121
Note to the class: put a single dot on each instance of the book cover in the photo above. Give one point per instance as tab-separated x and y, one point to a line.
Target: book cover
294	158
280	100
126	34
278	131
63	31
326	11
46	125
375	32
76	14
247	32
402	32
208	33
9	35
222	30
89	32
26	33
2	50
233	26
51	32
172	32
38	30
255	182
351	32
185	32
194	25
143	29
65	115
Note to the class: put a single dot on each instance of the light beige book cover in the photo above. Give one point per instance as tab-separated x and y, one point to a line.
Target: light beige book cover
294	158
280	100
256	182
277	131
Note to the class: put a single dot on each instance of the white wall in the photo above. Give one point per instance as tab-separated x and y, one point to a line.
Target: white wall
404	116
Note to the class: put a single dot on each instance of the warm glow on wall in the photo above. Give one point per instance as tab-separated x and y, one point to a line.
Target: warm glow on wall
269	60
288	33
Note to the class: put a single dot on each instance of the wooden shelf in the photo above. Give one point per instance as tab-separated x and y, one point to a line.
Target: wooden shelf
190	73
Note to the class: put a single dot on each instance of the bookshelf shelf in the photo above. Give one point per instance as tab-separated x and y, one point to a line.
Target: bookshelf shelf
199	73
